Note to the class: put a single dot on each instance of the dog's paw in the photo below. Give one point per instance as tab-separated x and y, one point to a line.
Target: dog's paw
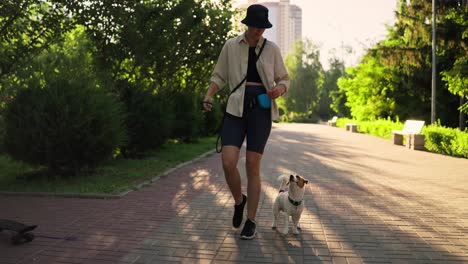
296	232
284	232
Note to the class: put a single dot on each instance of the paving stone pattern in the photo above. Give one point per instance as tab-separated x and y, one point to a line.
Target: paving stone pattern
368	201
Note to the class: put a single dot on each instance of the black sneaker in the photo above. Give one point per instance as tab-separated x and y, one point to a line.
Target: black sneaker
239	212
249	231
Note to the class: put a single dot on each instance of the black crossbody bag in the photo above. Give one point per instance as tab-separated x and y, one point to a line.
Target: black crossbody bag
218	150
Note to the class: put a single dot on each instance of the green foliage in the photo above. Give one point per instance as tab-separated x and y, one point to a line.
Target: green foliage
67	58
27	27
406	52
174	51
452	33
447	141
294	117
306	74
67	126
171	55
380	127
457	80
2	134
368	88
129	42
188	117
148	120
331	102
338	104
212	120
59	117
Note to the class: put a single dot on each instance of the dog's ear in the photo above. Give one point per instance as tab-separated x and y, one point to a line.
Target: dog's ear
305	181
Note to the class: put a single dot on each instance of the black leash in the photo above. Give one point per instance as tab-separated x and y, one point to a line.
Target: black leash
66	238
218	150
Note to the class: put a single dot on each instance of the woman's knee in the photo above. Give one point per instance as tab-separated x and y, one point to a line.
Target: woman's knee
229	164
230	157
252	164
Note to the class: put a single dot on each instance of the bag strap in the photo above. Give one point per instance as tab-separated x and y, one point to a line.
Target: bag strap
233	90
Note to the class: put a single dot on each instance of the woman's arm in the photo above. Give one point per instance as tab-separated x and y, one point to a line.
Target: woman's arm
281	77
213	88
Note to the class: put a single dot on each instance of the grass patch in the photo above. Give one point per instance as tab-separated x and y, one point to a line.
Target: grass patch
112	177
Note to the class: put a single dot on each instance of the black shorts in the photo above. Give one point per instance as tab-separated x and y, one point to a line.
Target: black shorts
255	123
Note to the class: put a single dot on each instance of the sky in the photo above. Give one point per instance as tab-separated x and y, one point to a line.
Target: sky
332	24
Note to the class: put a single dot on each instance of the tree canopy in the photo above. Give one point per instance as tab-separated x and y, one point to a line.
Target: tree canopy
306	74
394	78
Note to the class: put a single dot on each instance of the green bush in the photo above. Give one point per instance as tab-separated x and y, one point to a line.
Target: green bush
447	141
380	128
310	118
188	117
148	121
2	134
66	126
212	120
341	121
295	117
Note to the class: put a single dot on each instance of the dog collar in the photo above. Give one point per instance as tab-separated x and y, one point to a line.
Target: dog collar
295	203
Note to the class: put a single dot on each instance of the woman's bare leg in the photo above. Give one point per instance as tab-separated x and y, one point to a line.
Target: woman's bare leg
254	184
230	158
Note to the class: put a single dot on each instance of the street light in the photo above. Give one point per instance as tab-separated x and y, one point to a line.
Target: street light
433	98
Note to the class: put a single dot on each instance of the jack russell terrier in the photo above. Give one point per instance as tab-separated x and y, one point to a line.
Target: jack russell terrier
290	202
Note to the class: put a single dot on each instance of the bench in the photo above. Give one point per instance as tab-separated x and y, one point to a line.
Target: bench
351	127
412	130
332	122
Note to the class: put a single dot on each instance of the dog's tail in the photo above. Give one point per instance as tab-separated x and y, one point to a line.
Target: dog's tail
284	179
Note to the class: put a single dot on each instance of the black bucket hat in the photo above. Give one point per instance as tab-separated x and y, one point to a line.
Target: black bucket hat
257	16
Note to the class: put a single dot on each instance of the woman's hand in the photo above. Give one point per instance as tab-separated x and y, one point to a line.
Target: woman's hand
207	104
276	91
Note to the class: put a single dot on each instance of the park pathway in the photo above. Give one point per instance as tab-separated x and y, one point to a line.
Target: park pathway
368	201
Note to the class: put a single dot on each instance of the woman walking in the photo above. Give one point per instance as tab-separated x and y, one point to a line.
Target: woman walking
251	66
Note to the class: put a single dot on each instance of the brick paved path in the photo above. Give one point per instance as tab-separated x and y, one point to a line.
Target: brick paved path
369	201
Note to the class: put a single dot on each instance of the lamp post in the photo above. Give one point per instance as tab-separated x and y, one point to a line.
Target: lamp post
434	65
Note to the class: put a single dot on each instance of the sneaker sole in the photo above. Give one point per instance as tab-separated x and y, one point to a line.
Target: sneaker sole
249	237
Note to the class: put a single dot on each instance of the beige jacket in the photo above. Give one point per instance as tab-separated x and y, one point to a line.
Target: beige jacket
231	68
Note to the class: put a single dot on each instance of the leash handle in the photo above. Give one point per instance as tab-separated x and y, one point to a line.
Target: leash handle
217	141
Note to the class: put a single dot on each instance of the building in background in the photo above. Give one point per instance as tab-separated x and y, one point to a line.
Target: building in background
286	20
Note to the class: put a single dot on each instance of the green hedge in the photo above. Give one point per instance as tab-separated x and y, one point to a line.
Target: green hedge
188	117
2	134
380	128
438	139
445	140
148	121
66	126
212	120
293	117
